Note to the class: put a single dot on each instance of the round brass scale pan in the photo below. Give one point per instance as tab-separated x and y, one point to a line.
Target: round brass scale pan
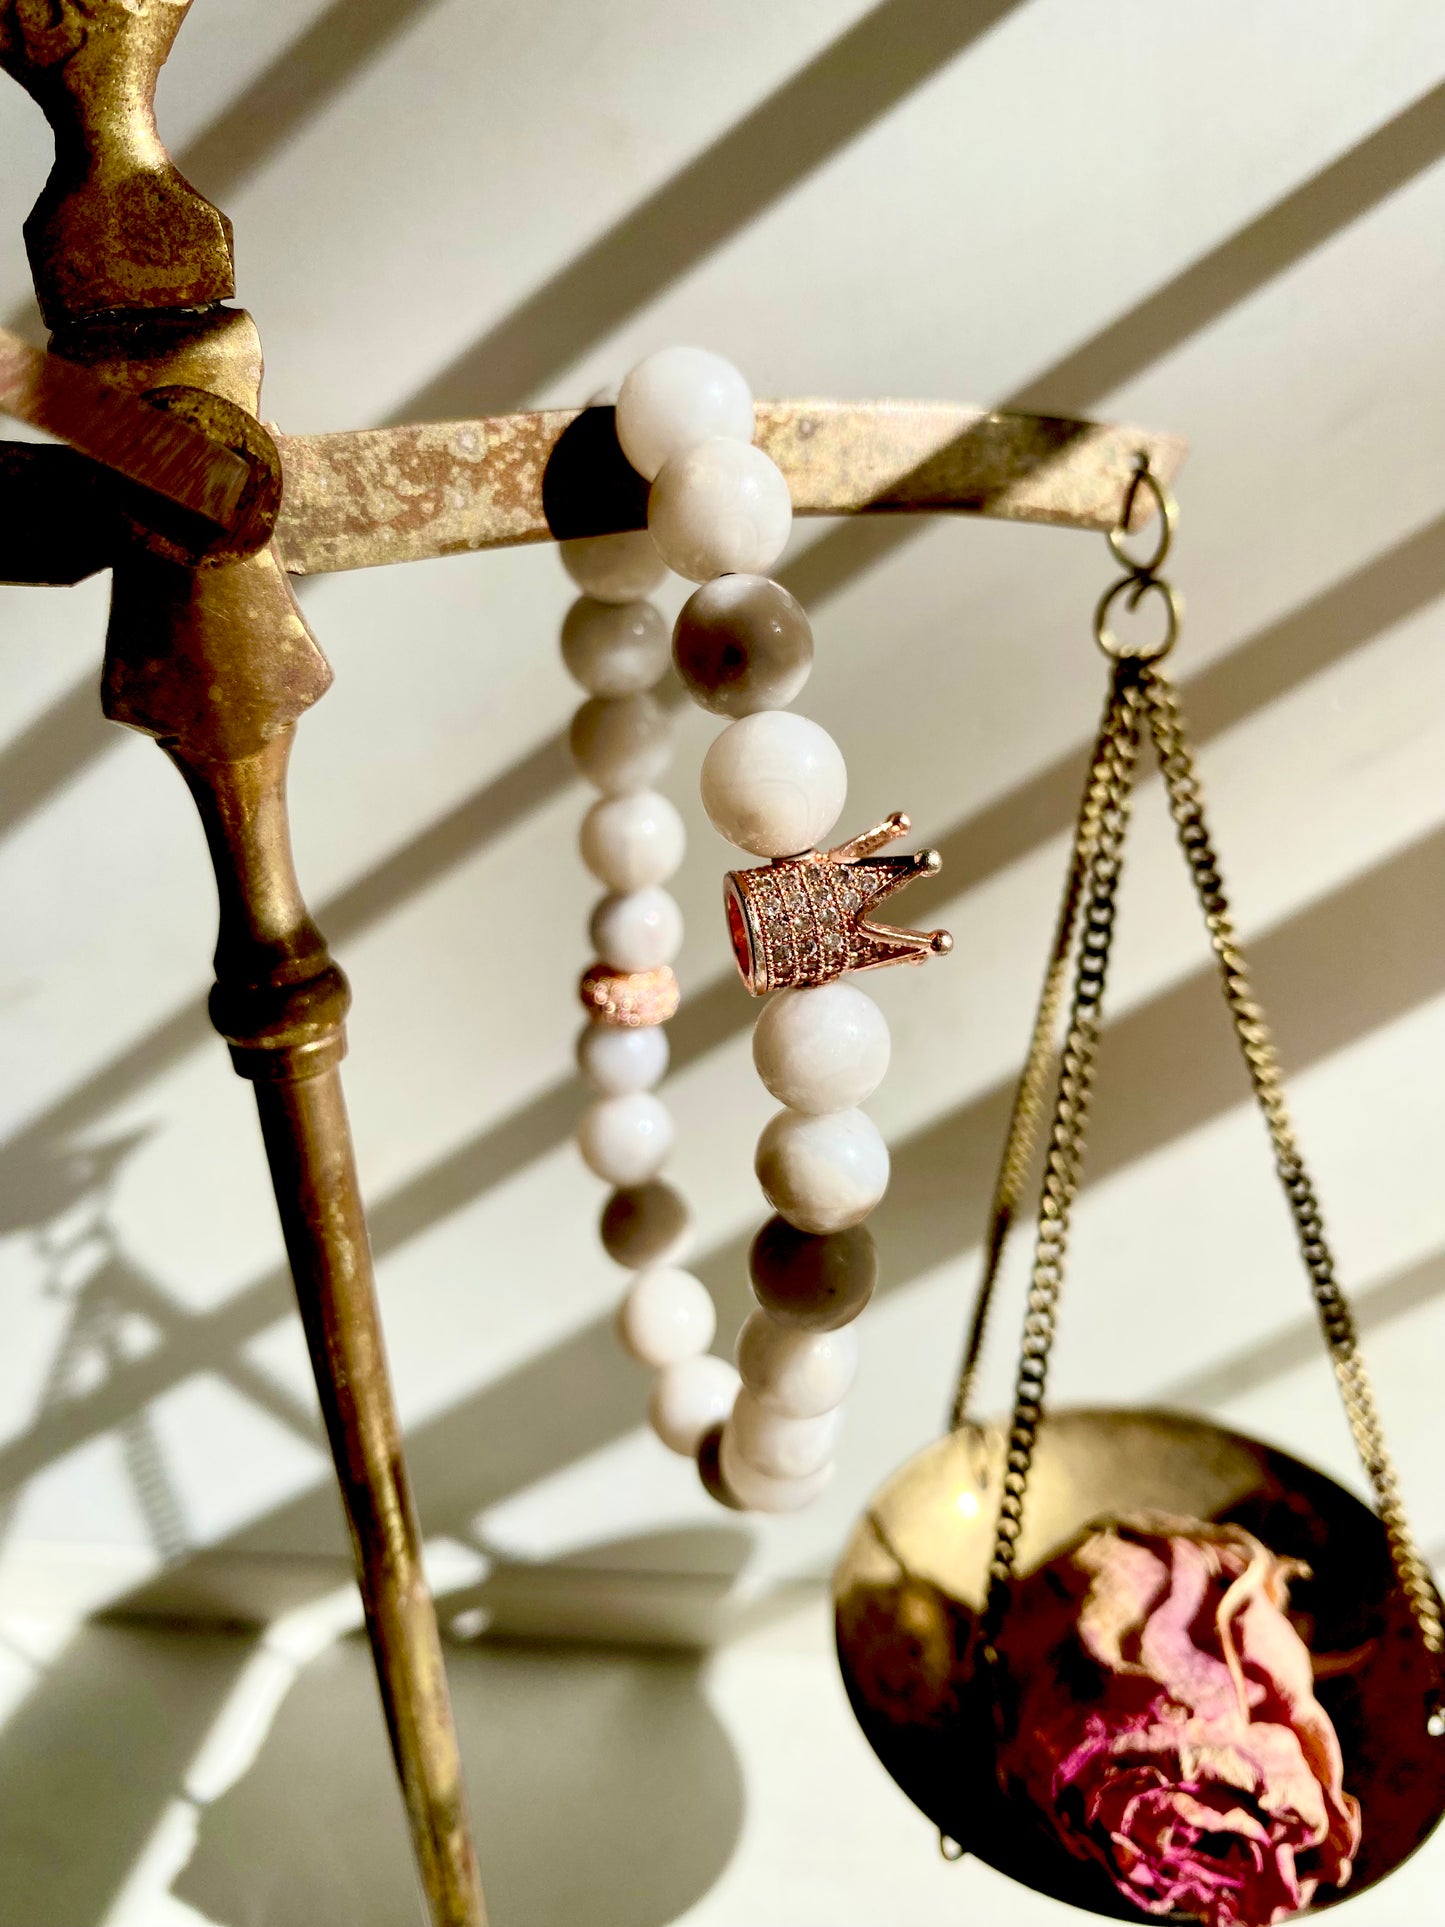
912	1578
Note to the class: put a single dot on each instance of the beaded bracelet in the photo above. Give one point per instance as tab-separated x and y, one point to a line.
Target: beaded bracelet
773	784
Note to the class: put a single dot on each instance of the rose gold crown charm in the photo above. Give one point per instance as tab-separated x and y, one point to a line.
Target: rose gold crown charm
804	919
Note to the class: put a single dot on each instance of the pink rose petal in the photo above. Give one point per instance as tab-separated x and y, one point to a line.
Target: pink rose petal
1168	1724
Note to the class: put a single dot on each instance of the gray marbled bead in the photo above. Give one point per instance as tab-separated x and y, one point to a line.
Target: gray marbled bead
646	1224
812	1283
742	644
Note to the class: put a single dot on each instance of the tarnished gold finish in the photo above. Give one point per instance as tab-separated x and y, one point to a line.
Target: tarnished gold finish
368	497
375	495
1337	1320
116	225
1141	696
218	664
926	1580
907	456
1105	814
371	496
308	1142
1026	1111
145	444
910	1590
231	430
207	652
1141	578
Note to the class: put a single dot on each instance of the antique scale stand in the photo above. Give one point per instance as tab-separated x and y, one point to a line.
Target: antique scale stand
202	515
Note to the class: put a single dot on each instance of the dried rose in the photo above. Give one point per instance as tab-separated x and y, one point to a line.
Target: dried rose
1165	1719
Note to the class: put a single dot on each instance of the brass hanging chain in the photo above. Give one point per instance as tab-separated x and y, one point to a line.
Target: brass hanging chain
1021	1138
1139	690
1337	1320
1114	775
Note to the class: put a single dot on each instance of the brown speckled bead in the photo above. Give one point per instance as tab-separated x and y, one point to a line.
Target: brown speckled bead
812	1283
645	1224
741	644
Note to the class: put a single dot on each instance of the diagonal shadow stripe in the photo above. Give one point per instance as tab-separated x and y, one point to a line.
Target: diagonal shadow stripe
487	814
1344	191
1391	587
873	66
54	750
294	87
1168	1066
855	81
1386	590
1298	1344
1291	228
1348	615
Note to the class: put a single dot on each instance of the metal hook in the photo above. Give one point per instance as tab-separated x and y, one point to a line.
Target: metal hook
1137	586
1168	512
1142	574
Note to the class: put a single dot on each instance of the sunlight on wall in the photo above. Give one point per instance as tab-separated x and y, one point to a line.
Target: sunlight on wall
1227	229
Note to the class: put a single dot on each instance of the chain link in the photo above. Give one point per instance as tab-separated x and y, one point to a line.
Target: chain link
1021	1137
1140	695
1337	1321
1112	776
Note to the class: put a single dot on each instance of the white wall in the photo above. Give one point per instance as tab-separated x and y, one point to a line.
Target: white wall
1223	224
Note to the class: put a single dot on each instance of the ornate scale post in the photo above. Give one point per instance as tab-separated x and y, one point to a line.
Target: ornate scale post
131	268
181	495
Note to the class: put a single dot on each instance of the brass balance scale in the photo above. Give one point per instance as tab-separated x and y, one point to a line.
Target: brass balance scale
170	480
924	1588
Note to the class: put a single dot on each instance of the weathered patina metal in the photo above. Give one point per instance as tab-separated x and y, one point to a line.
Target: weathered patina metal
216	662
371	496
163	454
116	226
377	495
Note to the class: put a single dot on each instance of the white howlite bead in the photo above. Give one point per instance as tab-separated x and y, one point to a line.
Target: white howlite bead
821	1049
630	841
667	1315
617	1062
637	931
614	568
625	1140
720	508
689	1399
621	743
800	1374
774	783
822	1173
784	1448
614	649
677	398
756	1491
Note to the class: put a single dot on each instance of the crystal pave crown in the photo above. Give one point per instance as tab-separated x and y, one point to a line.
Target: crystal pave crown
804	919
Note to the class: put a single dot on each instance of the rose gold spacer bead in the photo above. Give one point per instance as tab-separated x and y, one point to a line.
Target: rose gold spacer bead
630	999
